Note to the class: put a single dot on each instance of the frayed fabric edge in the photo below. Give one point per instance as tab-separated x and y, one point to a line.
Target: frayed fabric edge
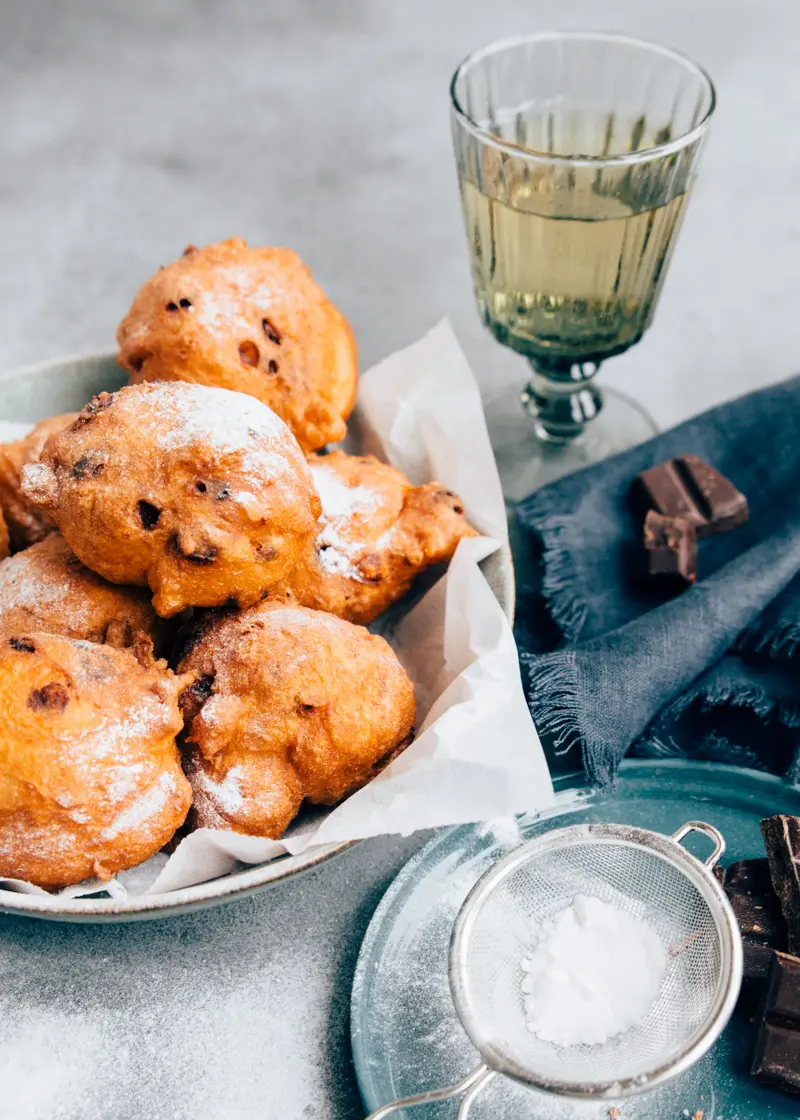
553	701
753	696
781	644
552	694
558	581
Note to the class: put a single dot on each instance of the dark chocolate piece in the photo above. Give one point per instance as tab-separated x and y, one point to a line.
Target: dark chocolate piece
750	876
777	1053
671	544
782	841
763	929
748	886
689	488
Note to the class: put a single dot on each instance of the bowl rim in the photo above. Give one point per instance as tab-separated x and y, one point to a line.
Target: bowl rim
211	892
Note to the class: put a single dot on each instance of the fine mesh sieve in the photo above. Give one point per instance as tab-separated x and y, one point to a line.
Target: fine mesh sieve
649	875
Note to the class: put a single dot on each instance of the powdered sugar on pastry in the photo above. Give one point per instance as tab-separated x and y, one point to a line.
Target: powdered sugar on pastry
46	588
185	417
146	806
377	532
340	504
90	777
339	500
227	794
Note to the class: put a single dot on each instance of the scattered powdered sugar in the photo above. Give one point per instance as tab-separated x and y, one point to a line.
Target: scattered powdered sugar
340	503
51	1059
227	794
151	802
503	830
593	973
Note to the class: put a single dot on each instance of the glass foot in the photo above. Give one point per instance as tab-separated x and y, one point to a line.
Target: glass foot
526	462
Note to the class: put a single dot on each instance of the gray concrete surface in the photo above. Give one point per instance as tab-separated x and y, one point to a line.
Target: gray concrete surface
129	128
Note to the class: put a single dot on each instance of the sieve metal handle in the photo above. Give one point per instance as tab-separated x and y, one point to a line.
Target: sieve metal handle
471	1087
707	830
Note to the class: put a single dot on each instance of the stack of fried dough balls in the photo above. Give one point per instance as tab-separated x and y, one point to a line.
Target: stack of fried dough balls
192	515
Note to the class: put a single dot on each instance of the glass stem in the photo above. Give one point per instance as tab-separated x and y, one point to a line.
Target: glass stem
562	398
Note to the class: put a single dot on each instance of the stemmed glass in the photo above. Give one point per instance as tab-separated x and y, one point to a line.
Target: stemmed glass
576	154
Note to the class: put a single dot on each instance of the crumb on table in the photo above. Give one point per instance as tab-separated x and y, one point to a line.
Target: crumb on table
614	1113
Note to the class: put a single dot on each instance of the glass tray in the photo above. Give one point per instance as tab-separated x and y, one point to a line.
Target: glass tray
405	1032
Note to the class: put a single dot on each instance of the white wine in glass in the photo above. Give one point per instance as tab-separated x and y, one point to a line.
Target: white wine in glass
576	155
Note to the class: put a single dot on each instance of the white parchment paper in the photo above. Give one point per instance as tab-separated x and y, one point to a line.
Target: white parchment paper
477	755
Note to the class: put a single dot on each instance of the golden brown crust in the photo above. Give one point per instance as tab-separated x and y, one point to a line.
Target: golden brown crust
377	534
288	704
26	523
3	537
90	776
248	319
46	588
200	493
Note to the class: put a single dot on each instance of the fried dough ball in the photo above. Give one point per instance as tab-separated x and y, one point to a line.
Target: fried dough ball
248	319
200	493
90	776
47	588
376	534
3	537
289	704
26	523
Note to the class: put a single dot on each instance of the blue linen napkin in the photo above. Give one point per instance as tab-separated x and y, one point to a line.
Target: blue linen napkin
611	664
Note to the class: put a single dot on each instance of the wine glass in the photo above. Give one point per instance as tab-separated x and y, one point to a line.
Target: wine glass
576	154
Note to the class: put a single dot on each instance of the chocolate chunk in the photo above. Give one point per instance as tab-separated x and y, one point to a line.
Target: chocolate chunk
22	645
271	331
782	841
724	506
748	886
763	930
671	544
777	1053
749	876
689	488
